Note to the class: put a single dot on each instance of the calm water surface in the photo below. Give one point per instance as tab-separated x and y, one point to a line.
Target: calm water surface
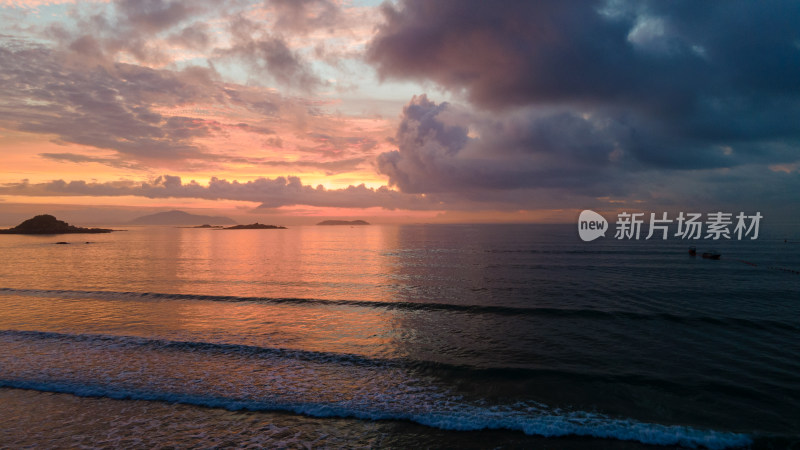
432	335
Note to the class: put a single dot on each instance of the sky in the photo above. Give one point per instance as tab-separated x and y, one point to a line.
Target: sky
404	111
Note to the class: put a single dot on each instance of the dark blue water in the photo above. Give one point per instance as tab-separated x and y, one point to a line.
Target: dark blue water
445	335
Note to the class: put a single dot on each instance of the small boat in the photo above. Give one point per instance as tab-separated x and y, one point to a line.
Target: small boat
693	250
711	255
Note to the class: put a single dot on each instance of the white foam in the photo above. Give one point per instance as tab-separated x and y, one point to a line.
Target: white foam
319	385
446	415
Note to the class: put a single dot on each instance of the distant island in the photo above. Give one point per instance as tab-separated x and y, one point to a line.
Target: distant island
255	226
205	225
343	222
47	224
176	217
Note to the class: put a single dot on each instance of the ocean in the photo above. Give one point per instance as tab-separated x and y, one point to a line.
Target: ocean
397	336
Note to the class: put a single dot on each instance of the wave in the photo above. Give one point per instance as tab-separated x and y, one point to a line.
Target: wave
552	424
205	347
419	367
760	324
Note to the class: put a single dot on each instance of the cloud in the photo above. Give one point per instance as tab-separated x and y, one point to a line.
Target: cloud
197	36
105	33
660	57
268	54
77	158
163	118
333	146
32	4
556	158
144	29
328	167
103	108
304	16
153	16
591	97
550	104
442	148
715	190
511	53
159	33
678	69
270	193
122	76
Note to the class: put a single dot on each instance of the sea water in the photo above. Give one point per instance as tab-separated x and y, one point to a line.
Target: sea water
397	336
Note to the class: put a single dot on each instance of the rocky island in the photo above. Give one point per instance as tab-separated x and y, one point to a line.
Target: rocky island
255	226
205	225
343	222
47	224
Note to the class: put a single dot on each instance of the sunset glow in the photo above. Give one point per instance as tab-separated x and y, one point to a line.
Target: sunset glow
399	224
400	112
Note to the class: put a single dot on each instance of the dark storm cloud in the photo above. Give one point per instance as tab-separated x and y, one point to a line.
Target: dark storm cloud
502	53
436	152
726	70
561	159
659	56
588	96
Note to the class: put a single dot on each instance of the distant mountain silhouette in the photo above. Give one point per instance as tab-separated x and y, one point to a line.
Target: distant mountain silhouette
255	226
176	217
47	224
343	222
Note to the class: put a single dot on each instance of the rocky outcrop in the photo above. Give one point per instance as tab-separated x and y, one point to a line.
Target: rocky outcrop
255	226
47	224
